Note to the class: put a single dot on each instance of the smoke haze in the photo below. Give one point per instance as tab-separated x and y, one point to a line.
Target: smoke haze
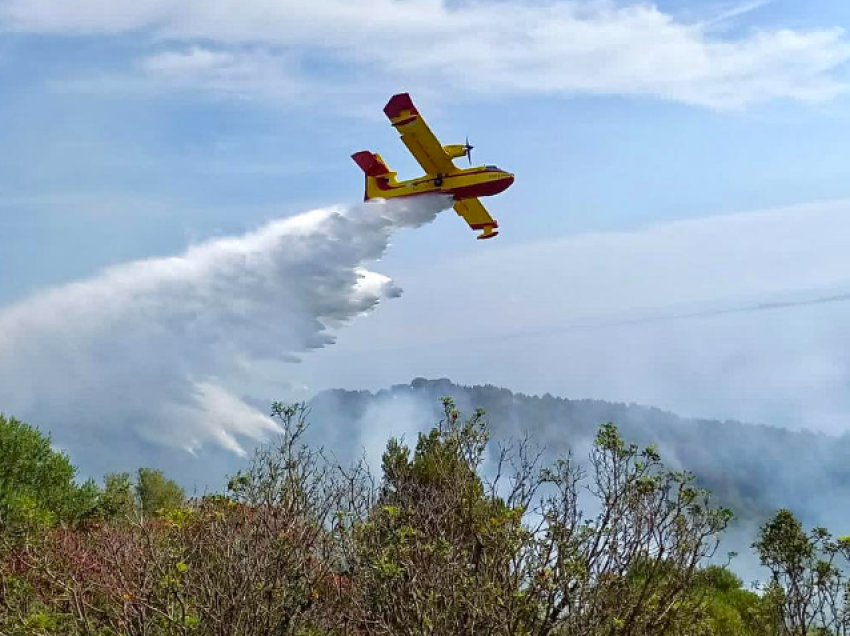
752	469
741	316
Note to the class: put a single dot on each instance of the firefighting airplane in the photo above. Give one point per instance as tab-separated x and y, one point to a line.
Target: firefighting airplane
442	176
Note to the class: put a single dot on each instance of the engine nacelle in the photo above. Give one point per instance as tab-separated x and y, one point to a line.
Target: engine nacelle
455	151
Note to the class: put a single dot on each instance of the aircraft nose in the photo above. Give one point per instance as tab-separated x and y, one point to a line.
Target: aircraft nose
506	182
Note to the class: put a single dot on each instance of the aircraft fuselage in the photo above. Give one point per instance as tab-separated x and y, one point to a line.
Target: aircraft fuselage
464	184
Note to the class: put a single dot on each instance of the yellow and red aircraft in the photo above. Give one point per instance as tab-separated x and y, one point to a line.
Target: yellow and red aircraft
442	176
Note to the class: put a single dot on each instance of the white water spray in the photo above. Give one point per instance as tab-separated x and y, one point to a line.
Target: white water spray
149	345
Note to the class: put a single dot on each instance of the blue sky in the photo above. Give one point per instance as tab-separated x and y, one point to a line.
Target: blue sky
125	162
130	131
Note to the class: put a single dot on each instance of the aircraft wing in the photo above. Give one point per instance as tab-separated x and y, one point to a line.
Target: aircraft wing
422	143
474	213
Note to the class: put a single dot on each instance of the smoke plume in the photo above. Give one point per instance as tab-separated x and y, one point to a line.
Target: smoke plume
155	348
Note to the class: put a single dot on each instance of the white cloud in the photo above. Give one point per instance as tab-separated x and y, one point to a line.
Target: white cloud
157	346
194	61
240	74
551	47
90	16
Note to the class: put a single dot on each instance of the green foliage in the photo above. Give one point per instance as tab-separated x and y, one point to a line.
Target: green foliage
36	482
23	611
809	586
302	547
156	493
783	543
117	500
434	554
732	610
152	494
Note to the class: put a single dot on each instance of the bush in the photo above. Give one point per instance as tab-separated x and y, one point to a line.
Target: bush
37	486
299	545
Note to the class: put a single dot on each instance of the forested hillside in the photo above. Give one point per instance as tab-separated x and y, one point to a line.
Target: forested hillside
753	469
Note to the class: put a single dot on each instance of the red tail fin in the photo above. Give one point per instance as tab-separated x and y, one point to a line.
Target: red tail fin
370	163
376	170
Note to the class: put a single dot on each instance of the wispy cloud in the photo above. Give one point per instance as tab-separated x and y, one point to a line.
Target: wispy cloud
735	10
236	73
559	48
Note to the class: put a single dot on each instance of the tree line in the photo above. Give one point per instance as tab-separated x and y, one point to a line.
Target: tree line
455	534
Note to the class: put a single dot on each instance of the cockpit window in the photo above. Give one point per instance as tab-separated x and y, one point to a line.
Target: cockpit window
491	168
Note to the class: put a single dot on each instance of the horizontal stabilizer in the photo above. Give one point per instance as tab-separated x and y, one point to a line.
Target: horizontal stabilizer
370	163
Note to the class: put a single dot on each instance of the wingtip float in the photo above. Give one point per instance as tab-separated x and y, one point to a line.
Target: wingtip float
465	186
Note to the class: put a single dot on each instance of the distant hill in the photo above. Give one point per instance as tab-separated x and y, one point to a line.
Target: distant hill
754	469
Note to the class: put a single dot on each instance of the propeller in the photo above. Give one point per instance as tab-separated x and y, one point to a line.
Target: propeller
468	150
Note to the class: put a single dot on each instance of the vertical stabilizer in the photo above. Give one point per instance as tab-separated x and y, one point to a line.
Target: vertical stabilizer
378	174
